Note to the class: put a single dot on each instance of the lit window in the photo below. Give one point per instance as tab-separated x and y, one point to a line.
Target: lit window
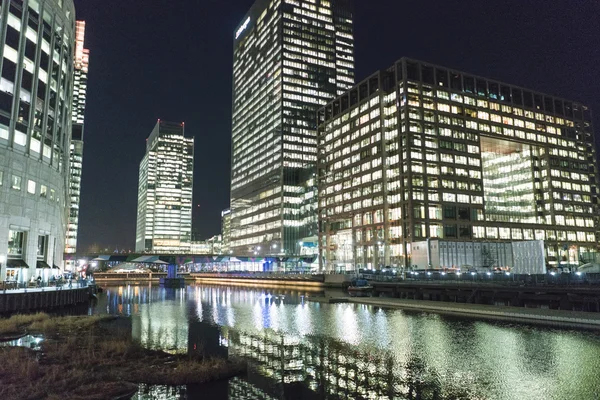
30	187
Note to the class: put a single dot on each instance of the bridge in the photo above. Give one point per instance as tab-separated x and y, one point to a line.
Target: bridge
196	262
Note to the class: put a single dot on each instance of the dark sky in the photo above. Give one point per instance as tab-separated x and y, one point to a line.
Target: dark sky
172	59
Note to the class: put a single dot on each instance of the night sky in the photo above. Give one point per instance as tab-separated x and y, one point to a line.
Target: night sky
172	59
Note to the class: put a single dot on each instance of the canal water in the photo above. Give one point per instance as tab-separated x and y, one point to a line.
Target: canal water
298	349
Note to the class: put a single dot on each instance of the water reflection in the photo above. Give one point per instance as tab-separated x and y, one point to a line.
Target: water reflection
33	342
303	350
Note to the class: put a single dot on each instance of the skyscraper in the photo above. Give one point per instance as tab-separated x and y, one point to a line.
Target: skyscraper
164	216
419	151
82	59
290	58
37	40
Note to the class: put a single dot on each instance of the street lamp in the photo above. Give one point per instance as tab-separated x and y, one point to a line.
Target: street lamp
2	261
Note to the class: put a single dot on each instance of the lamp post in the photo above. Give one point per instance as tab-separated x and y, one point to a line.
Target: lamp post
274	253
2	271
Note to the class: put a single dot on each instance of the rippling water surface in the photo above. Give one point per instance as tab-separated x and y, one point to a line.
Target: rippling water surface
303	350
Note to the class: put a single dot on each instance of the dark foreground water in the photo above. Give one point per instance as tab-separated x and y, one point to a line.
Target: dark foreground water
303	350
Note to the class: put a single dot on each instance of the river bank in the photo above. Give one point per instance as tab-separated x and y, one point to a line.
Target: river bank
93	358
561	318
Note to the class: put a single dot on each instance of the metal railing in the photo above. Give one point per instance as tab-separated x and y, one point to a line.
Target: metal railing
12	286
503	278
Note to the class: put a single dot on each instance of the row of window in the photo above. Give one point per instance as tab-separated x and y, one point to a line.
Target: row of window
16	183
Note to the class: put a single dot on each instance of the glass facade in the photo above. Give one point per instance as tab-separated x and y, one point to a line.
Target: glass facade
82	59
37	40
290	58
419	151
226	230
164	217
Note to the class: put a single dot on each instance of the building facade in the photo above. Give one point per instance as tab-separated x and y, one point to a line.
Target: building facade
210	246
226	230
419	151
164	216
290	58
82	59
36	87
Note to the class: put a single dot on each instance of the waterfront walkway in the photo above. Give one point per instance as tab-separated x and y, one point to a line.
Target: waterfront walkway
44	298
517	314
43	289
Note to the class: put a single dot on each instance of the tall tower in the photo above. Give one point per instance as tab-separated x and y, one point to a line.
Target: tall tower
82	59
37	40
164	217
290	58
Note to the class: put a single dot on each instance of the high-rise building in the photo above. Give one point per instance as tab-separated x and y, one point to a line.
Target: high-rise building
164	216
290	58
226	229
419	151
82	59
37	40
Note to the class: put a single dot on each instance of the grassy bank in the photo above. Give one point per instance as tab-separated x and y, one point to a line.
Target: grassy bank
92	358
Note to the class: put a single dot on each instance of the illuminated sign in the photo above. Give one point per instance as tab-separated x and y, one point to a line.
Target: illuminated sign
242	28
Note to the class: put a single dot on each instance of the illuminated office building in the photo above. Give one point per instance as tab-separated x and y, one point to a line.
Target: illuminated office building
164	217
37	40
419	151
82	59
290	58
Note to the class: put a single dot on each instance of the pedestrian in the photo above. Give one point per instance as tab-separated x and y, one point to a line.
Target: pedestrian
39	281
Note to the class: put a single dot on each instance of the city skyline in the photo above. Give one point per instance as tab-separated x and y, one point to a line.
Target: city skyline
494	49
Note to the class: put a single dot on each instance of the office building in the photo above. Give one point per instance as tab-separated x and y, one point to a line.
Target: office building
419	152
82	59
36	86
290	58
226	229
164	217
210	246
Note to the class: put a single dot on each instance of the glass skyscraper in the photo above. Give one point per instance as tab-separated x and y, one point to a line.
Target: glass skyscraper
37	40
290	58
164	215
82	59
419	151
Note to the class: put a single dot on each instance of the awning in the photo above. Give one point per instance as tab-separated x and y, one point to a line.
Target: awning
149	260
16	263
55	266
42	264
